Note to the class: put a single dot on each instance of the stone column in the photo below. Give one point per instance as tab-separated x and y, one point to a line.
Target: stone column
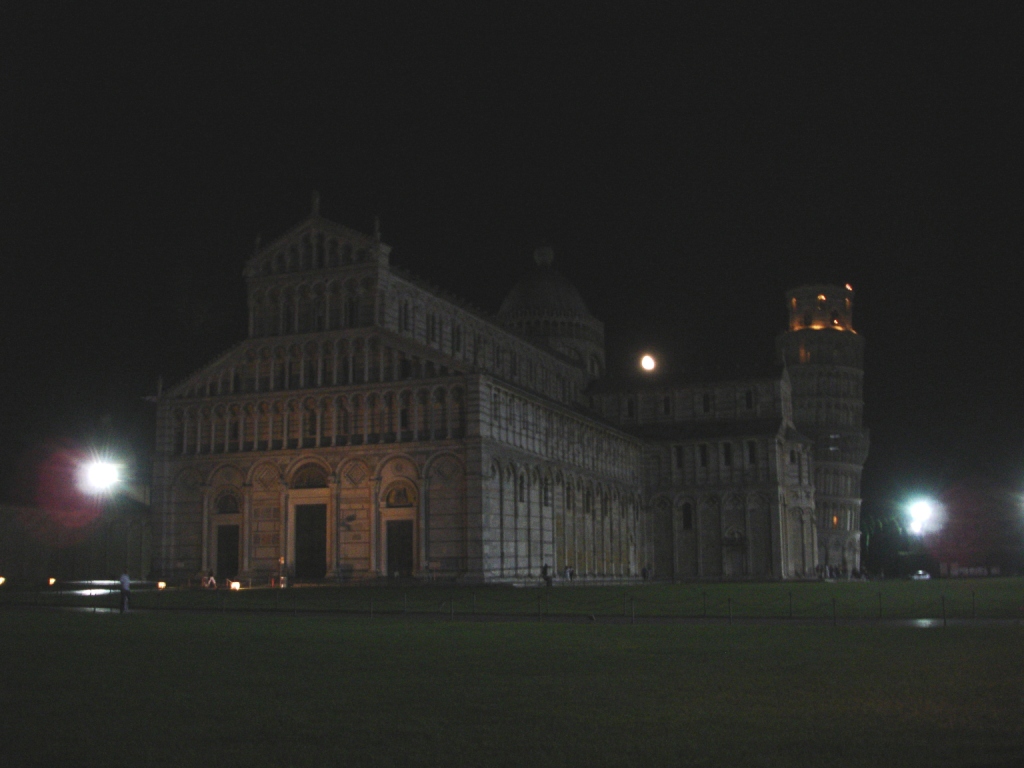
205	490
285	538
749	564
333	528
376	554
246	527
423	524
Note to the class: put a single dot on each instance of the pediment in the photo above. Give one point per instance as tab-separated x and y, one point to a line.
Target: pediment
324	361
315	245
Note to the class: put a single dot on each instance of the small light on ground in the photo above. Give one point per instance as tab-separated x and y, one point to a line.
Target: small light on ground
648	363
236	585
161	585
52	581
2	580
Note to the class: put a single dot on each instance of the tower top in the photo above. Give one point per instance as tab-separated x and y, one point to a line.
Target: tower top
821	307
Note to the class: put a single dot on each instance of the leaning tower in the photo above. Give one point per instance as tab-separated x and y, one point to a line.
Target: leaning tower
825	359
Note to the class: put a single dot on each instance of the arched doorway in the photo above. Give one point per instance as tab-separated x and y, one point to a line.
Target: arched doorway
398	515
308	501
227	538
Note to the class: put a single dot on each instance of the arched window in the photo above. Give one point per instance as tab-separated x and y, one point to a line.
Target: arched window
319	309
423	409
440	412
358	415
458	413
334	300
309	425
352	309
227	504
310	476
687	516
344	426
179	433
404	417
373	409
288	314
307	253
318	251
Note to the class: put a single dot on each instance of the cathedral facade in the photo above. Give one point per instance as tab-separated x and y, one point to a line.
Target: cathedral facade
370	426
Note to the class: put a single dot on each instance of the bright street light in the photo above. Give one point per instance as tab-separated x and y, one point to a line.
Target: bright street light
648	363
920	512
100	476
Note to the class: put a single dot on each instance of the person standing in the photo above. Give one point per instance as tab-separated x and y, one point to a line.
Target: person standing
126	589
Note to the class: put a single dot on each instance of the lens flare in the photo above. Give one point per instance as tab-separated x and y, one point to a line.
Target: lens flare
920	512
100	476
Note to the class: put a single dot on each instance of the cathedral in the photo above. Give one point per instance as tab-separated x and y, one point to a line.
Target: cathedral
371	426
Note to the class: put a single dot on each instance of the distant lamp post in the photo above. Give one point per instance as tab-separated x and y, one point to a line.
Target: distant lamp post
101	476
648	363
920	511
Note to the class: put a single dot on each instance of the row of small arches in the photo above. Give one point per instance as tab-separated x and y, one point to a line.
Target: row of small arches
310	307
309	472
524	480
315	250
376	417
318	364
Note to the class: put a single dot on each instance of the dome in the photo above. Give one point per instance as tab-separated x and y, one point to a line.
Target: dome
543	293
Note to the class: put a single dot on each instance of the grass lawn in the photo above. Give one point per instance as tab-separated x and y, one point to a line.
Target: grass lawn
959	598
244	689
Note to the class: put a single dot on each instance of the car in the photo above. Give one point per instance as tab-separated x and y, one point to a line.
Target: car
920	576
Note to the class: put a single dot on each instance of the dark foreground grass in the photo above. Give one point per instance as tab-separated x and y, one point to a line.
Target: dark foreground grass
235	689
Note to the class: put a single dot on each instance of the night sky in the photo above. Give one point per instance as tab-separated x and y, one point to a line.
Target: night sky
687	166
